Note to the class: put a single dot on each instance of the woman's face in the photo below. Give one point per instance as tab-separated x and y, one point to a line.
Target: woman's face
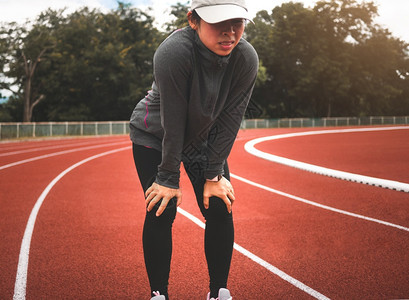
221	38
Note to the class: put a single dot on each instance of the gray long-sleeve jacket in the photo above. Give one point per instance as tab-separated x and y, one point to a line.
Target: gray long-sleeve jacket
196	104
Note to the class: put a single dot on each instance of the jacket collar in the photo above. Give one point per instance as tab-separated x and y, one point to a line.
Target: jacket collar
209	58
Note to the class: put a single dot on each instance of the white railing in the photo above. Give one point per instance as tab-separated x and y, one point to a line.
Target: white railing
56	129
324	122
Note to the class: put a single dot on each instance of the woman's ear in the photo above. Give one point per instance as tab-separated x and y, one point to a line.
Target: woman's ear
191	21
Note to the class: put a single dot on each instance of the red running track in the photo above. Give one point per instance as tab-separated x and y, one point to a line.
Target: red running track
86	241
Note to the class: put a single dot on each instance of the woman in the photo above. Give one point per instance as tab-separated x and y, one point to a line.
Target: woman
204	75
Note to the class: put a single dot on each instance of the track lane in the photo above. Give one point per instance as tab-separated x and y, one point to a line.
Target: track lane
13	157
249	279
44	147
53	288
283	248
95	229
330	252
336	148
33	144
337	231
383	204
47	292
20	186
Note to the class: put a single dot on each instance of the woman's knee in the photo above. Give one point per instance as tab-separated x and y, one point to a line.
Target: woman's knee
217	211
167	216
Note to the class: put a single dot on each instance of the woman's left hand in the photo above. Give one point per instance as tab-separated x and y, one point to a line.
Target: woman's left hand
221	189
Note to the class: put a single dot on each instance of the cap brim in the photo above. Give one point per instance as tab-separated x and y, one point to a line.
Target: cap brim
219	13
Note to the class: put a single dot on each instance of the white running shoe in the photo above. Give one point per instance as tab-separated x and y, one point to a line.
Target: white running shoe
158	296
224	294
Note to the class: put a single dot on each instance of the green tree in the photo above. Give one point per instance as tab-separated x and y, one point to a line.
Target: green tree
101	66
88	65
331	60
340	24
179	12
380	75
259	34
327	61
22	53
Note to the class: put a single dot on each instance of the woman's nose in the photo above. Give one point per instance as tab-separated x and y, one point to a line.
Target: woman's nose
228	28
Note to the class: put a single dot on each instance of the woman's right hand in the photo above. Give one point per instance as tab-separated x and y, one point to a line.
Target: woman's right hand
157	192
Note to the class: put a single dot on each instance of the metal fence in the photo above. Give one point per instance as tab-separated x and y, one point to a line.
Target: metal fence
324	122
57	129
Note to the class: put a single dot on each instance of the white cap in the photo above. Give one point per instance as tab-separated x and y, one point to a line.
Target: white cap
215	11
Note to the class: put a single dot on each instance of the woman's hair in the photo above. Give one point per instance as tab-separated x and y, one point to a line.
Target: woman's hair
196	18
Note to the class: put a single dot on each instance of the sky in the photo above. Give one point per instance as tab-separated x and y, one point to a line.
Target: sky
393	14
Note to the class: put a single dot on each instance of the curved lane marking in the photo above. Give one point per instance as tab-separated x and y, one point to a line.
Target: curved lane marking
20	162
262	262
384	183
15	152
20	285
309	202
21	277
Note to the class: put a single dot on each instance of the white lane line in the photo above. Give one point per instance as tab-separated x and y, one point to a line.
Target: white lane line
344	212
384	183
47	148
22	269
59	153
262	262
21	277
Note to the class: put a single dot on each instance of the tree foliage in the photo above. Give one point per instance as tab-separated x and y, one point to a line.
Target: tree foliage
96	66
179	12
23	52
329	60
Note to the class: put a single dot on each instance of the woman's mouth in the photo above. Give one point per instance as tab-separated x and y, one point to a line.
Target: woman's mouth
227	45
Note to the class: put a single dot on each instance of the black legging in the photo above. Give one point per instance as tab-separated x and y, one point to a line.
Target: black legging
157	231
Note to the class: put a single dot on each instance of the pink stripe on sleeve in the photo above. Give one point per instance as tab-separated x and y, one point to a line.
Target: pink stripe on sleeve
147	111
